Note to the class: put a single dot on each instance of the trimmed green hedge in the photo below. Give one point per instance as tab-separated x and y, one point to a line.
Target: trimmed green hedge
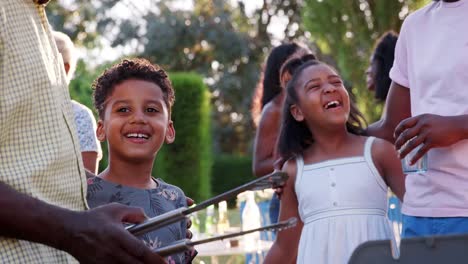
230	171
187	162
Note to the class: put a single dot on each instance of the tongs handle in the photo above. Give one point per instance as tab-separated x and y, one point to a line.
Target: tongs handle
186	244
158	221
267	181
178	246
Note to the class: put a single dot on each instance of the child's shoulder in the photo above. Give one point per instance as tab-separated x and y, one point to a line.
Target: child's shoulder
165	185
380	144
378	147
382	150
170	191
375	141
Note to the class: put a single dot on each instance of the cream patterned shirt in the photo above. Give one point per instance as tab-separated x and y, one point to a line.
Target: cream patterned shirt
86	129
39	150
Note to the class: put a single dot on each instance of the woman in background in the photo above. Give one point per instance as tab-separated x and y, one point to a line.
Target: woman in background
270	107
381	61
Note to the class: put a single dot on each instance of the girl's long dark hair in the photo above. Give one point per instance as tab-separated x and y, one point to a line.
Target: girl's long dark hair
295	136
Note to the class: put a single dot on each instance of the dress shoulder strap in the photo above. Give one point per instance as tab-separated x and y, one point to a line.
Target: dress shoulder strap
299	170
370	162
368	147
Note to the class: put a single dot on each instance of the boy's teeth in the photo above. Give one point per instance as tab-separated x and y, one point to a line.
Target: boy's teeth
137	135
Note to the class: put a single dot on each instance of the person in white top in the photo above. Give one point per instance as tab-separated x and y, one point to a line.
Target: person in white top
427	107
338	179
90	146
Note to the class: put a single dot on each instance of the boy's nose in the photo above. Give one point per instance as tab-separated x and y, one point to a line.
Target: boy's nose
138	117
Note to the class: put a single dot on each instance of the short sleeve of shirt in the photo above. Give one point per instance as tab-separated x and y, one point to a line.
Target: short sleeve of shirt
86	129
399	71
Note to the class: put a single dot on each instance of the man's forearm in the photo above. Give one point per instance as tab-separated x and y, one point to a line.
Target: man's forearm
397	108
27	218
463	121
379	130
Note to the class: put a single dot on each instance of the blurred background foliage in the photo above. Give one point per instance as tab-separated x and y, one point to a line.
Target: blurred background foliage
226	43
187	162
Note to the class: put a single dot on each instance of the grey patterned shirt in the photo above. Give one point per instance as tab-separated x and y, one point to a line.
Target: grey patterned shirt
163	198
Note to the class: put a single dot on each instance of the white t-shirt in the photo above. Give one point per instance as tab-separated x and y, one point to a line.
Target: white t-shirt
86	128
431	59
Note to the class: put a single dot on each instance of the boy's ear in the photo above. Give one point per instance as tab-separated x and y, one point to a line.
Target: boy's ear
170	133
100	134
296	113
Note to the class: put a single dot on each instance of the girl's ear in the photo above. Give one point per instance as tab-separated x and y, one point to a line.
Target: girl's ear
296	113
100	134
170	133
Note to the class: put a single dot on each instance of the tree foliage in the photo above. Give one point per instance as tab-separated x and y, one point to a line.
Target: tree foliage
218	39
188	160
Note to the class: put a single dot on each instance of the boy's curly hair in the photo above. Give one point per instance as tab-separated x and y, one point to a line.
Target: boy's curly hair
139	69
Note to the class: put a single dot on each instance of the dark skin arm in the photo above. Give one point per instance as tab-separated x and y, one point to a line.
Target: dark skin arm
397	108
284	249
90	160
265	140
94	236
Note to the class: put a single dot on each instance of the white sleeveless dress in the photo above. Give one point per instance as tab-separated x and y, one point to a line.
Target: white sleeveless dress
342	203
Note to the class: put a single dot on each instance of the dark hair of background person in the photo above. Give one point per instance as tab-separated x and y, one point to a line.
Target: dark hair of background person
295	136
269	85
139	69
271	77
383	56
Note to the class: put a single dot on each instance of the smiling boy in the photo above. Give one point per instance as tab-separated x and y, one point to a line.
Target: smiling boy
134	100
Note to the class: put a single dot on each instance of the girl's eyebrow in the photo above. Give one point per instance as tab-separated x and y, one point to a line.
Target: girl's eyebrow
311	80
333	76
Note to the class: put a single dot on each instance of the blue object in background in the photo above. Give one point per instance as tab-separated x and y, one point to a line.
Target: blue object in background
264	206
274	210
394	213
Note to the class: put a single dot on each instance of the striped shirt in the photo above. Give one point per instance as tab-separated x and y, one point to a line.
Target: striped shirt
39	149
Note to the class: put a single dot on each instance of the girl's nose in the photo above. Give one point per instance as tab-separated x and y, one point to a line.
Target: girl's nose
329	88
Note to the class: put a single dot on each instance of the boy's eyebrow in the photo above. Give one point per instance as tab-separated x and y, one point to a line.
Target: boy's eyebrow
155	101
146	101
120	102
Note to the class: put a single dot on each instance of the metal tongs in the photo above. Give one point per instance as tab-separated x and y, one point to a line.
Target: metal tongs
273	180
186	244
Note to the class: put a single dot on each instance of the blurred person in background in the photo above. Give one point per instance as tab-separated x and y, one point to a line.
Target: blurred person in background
381	61
270	107
85	122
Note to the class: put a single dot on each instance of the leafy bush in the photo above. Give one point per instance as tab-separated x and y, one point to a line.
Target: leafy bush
187	162
230	171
